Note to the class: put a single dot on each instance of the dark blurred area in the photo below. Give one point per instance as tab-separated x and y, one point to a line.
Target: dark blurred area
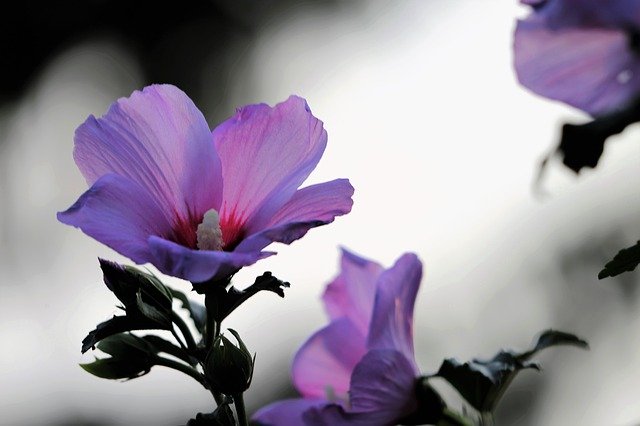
172	41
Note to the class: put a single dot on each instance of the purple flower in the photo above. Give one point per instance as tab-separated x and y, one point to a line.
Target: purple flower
585	53
359	369
197	204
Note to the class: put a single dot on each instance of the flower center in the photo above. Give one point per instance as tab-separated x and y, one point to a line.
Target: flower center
209	233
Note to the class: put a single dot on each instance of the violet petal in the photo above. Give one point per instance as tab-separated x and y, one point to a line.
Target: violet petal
352	293
159	139
327	359
382	392
590	68
198	265
120	214
392	319
266	154
309	207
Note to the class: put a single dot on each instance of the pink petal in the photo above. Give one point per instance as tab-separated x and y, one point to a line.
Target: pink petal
326	360
352	293
312	206
266	154
198	265
590	68
381	393
119	213
160	140
287	412
392	319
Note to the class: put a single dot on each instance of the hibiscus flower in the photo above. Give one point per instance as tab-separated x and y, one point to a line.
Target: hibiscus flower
360	369
585	53
200	205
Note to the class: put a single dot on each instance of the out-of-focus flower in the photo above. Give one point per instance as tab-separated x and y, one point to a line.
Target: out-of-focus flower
197	204
585	53
359	369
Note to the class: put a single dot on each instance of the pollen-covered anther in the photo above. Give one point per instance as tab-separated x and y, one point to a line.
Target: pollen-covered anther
209	233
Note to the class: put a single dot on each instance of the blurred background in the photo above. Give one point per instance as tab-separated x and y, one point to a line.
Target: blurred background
425	117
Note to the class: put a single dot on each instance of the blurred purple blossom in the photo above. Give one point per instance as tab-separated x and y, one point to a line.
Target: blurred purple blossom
585	53
197	204
360	369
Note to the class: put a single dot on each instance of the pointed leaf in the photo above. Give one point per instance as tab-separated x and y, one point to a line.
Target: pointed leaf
483	382
626	260
117	324
197	311
116	368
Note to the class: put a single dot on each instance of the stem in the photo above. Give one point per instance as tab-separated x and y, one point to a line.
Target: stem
212	331
486	418
184	329
238	401
158	360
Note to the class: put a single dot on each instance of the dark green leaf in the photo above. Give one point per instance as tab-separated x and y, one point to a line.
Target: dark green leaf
625	261
115	325
483	382
228	301
162	345
115	368
550	338
162	317
196	310
131	356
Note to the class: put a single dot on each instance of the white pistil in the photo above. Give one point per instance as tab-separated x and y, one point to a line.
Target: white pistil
209	234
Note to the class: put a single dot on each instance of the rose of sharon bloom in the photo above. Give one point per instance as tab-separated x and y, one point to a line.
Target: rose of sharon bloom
197	204
359	369
585	53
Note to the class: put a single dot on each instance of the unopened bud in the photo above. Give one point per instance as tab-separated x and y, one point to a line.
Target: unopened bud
229	368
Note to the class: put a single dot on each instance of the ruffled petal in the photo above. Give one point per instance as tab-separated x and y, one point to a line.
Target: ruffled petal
266	154
309	207
392	319
352	292
590	68
119	213
198	265
382	392
326	360
287	412
159	139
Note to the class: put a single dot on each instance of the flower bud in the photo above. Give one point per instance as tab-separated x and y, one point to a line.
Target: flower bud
229	368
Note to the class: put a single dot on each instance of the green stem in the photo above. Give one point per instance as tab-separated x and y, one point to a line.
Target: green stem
238	401
212	331
158	360
184	329
486	418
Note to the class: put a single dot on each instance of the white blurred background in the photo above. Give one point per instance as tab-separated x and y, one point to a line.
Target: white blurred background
426	118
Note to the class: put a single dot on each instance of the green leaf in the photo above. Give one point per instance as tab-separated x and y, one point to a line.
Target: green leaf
114	368
115	325
147	303
131	357
197	311
483	382
161	316
626	260
162	345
